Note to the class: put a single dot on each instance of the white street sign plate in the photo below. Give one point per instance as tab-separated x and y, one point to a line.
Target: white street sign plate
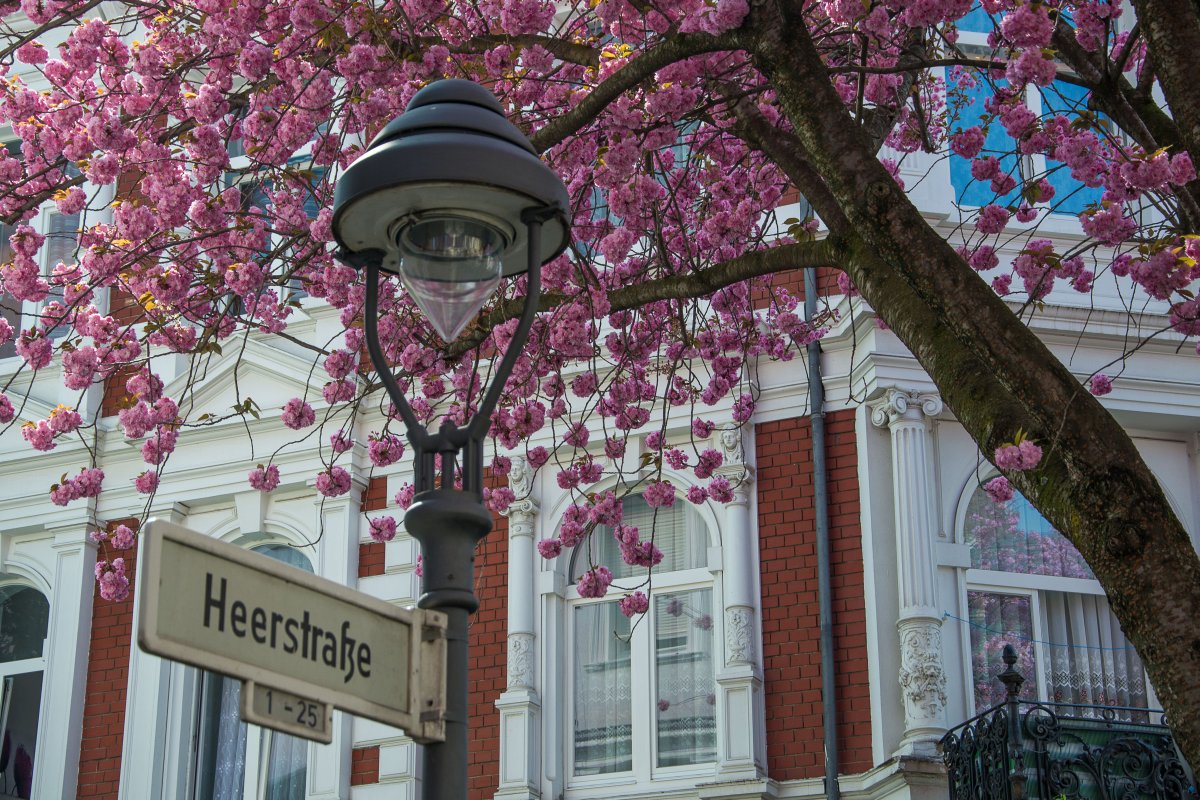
284	711
223	608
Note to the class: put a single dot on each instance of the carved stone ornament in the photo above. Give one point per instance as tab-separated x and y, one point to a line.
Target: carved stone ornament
520	477
739	635
732	449
897	404
520	660
922	678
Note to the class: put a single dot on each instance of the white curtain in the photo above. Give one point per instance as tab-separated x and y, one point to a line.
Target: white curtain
603	702
1091	662
286	768
228	768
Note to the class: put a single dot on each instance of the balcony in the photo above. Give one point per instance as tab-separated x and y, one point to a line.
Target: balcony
1021	750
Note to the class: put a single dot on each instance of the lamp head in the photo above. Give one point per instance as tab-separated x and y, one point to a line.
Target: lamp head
438	197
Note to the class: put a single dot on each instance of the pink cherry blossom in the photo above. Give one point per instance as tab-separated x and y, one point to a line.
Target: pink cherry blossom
636	603
383	528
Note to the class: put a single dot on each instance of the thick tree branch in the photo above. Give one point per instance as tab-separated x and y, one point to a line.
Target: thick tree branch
675	48
562	49
1136	113
701	283
1172	31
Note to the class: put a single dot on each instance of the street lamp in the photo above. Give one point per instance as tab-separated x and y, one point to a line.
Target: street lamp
451	197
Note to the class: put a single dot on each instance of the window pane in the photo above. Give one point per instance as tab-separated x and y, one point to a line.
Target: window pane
1014	537
1091	662
676	531
221	766
24	615
997	620
686	701
286	767
603	708
22	704
62	239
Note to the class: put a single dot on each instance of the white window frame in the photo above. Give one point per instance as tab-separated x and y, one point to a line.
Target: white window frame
645	771
25	666
1022	584
97	211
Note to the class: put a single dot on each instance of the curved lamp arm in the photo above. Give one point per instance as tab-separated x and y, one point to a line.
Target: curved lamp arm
450	440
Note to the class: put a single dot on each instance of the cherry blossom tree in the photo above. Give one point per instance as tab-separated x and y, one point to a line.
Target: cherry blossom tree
215	130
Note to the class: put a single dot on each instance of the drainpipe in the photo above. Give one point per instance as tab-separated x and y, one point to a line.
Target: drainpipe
816	402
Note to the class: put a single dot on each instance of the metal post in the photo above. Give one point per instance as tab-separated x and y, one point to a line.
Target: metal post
816	411
449	523
1012	681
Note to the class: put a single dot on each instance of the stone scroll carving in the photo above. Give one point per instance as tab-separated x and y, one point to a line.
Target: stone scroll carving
520	660
739	635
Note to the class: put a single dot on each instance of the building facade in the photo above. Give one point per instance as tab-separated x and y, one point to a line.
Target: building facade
714	693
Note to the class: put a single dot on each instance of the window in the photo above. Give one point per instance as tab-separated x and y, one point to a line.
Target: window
61	245
643	689
236	761
1029	587
24	616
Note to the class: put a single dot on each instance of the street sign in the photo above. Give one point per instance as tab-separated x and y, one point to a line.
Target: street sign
286	712
223	608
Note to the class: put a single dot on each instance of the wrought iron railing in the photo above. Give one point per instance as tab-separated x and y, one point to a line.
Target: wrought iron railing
1022	750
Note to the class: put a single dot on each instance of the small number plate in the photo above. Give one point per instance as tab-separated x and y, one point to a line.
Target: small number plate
286	712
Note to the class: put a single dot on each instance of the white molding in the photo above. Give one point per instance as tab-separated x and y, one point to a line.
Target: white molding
64	683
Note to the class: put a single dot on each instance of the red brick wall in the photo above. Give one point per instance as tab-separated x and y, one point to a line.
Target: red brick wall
107	685
370	559
793	281
792	664
489	659
364	765
374	497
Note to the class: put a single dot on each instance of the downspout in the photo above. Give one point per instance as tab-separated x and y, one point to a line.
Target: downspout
816	402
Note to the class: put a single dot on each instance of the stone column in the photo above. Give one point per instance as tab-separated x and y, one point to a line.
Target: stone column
338	521
520	707
741	713
64	680
906	413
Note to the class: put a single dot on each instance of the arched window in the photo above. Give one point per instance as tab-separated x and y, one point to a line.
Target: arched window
1028	586
236	761
24	616
643	689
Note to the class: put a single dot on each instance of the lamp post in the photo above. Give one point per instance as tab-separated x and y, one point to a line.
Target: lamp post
451	197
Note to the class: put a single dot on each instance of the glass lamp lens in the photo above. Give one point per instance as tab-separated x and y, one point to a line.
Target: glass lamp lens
450	265
452	239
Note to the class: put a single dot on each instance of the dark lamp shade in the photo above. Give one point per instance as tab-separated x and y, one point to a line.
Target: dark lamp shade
451	155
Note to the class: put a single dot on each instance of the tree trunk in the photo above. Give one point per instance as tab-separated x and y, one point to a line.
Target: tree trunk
998	377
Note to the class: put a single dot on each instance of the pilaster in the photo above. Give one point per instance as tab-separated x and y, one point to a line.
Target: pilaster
338	521
906	414
64	681
520	707
741	714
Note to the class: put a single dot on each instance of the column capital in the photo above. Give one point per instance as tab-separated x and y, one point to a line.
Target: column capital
521	510
897	404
